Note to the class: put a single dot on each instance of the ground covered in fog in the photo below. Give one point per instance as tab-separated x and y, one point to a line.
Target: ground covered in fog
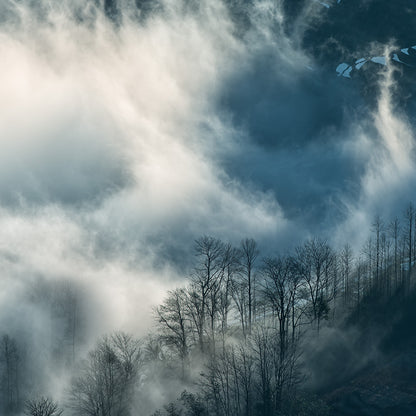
131	129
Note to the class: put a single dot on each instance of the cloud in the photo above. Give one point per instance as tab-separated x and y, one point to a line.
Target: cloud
111	162
387	148
123	142
110	168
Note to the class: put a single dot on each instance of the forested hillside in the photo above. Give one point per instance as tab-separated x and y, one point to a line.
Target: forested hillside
247	335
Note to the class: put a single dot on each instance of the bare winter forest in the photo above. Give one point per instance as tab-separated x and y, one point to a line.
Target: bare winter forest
246	335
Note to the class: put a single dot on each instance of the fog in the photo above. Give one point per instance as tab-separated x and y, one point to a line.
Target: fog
123	140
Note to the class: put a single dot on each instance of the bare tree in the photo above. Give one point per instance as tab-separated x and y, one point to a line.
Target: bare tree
42	407
206	282
394	229
106	383
315	262
231	273
377	229
410	217
228	382
346	259
250	253
280	285
239	294
175	324
9	376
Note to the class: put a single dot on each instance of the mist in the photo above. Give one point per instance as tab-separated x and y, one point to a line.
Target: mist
130	129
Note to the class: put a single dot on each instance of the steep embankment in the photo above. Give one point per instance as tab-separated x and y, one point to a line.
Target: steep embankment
386	384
